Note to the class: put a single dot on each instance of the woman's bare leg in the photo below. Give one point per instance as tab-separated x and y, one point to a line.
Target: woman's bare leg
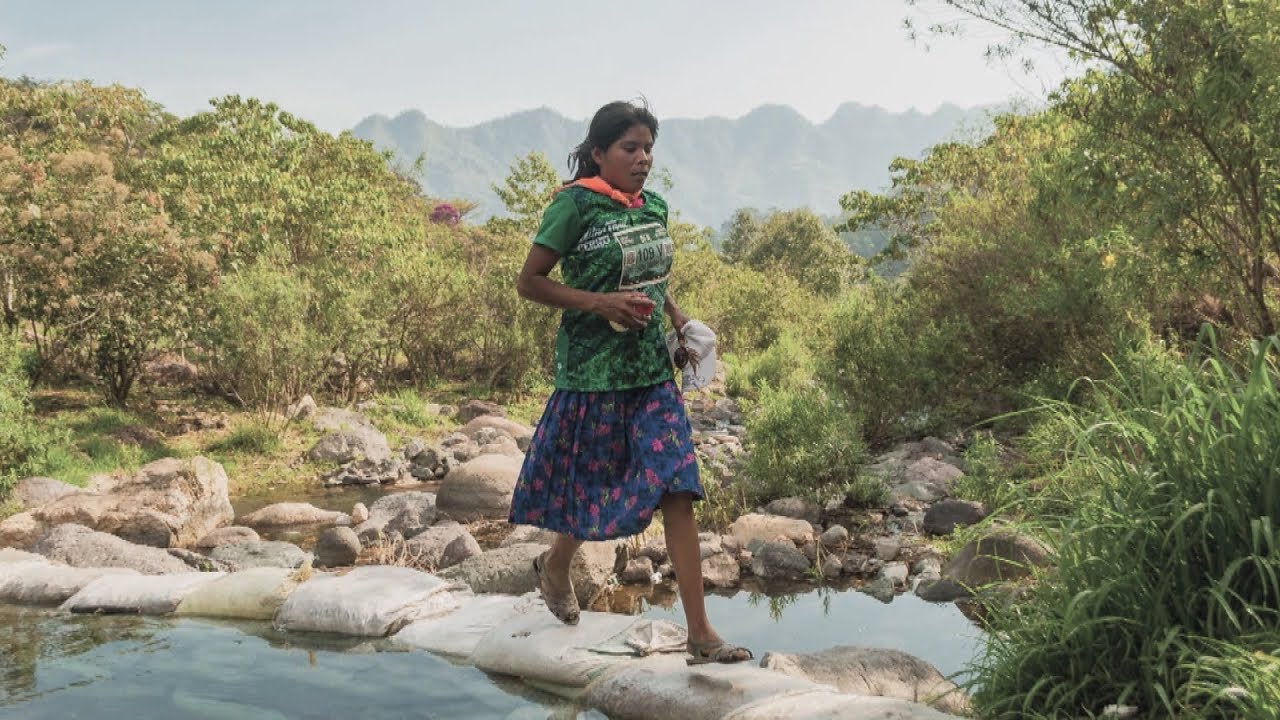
683	549
559	560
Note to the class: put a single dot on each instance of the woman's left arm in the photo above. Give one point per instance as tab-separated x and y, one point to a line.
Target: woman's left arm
678	318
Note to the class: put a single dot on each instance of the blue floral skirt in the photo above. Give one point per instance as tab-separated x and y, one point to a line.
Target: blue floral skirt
600	462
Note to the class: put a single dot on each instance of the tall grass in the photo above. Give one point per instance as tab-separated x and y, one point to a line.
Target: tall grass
1166	592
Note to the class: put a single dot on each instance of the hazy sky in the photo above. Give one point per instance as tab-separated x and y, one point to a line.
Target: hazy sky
465	61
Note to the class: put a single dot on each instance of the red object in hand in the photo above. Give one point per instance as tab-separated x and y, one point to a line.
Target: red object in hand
645	309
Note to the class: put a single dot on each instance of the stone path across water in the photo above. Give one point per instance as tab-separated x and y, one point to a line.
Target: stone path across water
625	666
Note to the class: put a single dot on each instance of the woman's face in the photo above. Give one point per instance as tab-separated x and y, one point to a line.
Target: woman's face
626	163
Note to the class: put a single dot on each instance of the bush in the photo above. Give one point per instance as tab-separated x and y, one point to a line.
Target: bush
802	443
248	437
787	364
1166	574
22	443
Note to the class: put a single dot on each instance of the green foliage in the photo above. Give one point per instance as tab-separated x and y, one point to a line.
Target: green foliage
1165	573
802	442
795	243
251	437
22	441
525	193
787	364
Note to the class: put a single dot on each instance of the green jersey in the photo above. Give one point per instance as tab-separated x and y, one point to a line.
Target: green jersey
605	247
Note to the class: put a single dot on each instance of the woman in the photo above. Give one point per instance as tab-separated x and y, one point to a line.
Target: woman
614	443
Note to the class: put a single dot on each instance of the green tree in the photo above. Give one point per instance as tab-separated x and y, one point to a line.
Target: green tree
1183	113
525	192
796	243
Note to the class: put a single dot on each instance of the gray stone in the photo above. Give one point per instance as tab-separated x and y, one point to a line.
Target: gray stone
34	492
919	491
331	419
441	546
794	507
80	546
655	550
344	446
363	471
473	409
944	516
856	564
507	570
522	434
932	471
835	536
639	571
529	534
337	547
999	556
199	562
895	572
359	513
874	672
768	528
405	513
271	553
226	536
887	548
480	488
941	590
304	408
881	589
285	514
779	561
832	566
721	571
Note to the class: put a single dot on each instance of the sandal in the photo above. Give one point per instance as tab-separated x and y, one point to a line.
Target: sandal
564	605
716	652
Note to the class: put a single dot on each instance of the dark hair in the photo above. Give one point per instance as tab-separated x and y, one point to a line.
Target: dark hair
608	124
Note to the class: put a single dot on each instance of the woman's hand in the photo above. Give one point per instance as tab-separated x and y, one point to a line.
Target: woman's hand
631	310
678	318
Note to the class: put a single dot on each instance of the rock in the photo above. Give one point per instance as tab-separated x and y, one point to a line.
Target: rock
709	544
290	513
856	564
507	570
529	534
639	571
198	562
832	566
80	546
999	556
927	568
887	548
881	589
344	446
304	408
835	536
794	507
169	371
413	447
940	590
34	492
406	513
896	573
919	491
167	503
522	434
473	409
721	571
441	546
944	516
332	419
480	488
779	561
655	550
363	471
226	536
767	528
875	672
20	530
359	513
932	471
495	442
260	554
810	552
337	547
594	568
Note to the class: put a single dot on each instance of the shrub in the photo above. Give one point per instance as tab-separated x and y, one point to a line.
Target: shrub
22	443
802	442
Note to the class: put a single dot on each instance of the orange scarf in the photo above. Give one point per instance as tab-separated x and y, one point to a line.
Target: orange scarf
599	185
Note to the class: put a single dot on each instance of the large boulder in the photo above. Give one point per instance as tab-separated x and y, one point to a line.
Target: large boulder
931	471
779	561
406	513
720	571
875	672
344	446
226	536
168	503
480	489
1000	556
473	409
35	492
794	507
522	434
20	530
80	546
291	513
260	554
441	546
594	567
768	528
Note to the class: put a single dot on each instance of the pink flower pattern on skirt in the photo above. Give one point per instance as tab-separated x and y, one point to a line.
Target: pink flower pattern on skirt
600	462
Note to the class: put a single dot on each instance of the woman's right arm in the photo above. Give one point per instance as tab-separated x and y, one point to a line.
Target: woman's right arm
534	284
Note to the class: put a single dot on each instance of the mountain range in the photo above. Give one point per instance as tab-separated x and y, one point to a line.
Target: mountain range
772	157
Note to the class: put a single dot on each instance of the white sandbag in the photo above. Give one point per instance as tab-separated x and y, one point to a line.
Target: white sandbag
700	692
140	594
459	632
371	600
830	705
45	583
549	654
253	594
14	555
